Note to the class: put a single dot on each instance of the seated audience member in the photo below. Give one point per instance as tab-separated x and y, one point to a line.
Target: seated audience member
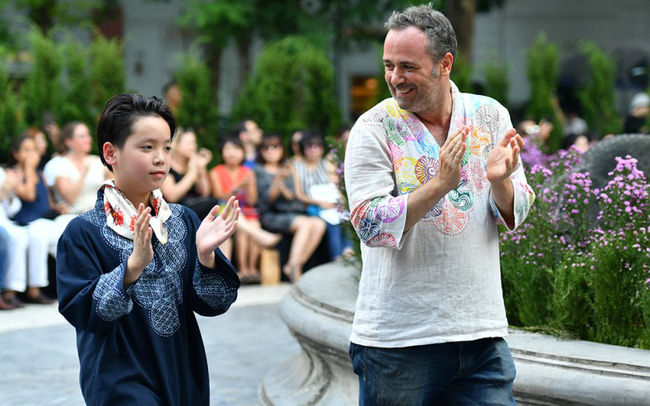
573	124
296	155
188	182
250	135
280	210
232	178
342	134
4	259
538	133
636	121
41	145
316	185
75	175
14	239
579	141
43	233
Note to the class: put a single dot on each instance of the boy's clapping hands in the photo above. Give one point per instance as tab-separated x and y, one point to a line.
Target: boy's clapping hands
215	229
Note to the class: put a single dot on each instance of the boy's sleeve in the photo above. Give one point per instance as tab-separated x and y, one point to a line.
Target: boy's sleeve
213	290
89	299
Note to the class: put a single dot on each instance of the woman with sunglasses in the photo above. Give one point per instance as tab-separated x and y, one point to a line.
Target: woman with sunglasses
280	210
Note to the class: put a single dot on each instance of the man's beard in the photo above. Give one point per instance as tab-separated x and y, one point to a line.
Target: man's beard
428	97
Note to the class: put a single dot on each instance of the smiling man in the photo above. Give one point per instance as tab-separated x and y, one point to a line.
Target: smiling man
430	173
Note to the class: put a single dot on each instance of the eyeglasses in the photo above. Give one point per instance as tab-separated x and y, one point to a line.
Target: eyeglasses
314	145
269	147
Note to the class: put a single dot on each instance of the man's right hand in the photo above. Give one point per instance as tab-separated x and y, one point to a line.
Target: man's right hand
451	157
142	249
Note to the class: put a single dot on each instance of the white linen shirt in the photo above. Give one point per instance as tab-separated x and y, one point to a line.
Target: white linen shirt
440	281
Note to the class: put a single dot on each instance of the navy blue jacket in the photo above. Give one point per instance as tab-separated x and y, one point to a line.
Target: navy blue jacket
141	345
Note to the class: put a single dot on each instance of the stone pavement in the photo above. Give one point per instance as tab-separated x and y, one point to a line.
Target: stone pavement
39	365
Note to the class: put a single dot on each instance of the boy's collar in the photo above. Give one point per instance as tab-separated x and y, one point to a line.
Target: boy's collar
121	214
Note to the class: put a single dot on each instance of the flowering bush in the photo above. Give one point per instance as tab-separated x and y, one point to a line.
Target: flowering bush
580	263
337	156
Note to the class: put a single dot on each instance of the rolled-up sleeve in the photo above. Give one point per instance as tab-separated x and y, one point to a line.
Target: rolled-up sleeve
524	196
378	212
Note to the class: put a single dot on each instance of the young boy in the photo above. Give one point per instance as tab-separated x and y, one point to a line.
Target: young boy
130	280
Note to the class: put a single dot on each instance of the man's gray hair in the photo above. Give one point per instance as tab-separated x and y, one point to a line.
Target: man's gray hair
440	34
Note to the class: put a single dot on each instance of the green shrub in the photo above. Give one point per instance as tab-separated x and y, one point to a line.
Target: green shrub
597	96
107	75
497	84
77	94
293	88
584	277
42	90
198	106
337	156
542	69
10	114
530	254
461	74
572	301
618	281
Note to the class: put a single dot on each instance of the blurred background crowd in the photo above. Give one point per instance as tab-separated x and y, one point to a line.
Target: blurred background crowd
265	93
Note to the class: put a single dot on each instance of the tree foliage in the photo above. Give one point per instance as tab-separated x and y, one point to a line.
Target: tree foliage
292	89
77	95
107	77
461	73
597	96
41	91
542	69
198	107
497	84
10	117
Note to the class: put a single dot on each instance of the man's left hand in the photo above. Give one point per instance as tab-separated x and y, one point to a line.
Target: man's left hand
504	157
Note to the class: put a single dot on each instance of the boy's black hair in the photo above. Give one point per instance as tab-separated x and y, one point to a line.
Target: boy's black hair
309	137
121	112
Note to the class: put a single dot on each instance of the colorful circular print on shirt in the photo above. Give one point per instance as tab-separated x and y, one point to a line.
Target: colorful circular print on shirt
416	127
382	240
427	146
487	118
452	221
406	187
390	209
368	228
391	132
478	177
395	151
479	143
405	170
460	120
404	130
393	109
436	210
462	197
426	168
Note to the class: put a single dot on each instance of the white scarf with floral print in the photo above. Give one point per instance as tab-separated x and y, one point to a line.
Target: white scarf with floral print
118	208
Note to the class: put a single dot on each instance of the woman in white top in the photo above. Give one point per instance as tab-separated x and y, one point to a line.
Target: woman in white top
75	175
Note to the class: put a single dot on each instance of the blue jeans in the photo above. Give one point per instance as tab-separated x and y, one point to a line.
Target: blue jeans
478	372
4	254
337	241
